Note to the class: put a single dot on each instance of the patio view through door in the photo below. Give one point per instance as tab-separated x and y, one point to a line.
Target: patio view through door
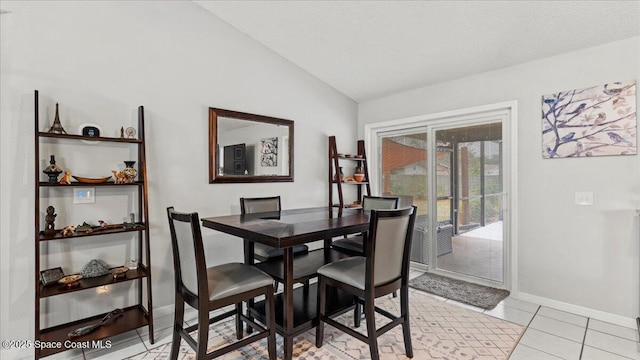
466	232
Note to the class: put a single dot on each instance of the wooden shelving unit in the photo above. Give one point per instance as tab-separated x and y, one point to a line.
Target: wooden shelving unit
133	317
335	159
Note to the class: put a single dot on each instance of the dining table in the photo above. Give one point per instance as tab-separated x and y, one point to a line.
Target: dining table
296	310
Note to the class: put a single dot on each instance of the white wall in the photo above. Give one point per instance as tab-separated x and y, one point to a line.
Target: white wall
100	60
583	258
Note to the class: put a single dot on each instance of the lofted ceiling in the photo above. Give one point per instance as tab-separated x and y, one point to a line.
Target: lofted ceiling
371	49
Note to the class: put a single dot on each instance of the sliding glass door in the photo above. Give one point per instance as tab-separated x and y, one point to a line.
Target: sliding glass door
460	165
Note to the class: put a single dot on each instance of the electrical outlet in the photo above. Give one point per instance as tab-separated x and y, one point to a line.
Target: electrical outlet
584	198
84	195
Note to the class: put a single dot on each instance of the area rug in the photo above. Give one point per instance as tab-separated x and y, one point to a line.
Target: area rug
473	294
438	331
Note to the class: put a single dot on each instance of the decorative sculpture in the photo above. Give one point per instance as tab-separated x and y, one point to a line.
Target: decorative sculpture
68	230
52	170
49	220
66	178
121	178
56	127
87	329
95	268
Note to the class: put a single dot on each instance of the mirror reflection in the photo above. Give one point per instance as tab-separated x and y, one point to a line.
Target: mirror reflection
249	148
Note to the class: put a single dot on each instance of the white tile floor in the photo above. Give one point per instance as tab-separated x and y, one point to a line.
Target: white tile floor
549	334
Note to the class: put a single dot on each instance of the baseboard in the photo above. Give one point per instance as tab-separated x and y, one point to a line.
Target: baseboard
579	310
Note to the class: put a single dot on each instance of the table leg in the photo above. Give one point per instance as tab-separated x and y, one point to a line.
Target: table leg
249	260
288	303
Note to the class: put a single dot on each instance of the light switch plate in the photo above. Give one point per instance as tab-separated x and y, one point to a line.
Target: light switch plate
584	198
84	195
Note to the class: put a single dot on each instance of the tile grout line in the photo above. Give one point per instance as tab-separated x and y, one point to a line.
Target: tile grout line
525	330
584	338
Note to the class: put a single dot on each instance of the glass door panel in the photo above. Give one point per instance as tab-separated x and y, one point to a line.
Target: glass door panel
469	241
404	173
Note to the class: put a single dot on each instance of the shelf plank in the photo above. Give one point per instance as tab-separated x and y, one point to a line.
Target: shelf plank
305	308
89	283
133	318
84	184
59	236
351	158
351	182
88	138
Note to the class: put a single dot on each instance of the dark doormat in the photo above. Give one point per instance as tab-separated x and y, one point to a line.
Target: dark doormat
473	294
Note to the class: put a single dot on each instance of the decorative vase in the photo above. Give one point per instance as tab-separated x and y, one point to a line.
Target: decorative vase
358	174
130	172
339	176
53	171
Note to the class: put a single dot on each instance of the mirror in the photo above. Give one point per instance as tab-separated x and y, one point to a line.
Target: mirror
247	148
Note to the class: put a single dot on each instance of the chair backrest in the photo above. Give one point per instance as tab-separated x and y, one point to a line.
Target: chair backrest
390	233
259	205
379	202
188	252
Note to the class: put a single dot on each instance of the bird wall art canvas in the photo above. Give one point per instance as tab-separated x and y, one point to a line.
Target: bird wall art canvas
594	121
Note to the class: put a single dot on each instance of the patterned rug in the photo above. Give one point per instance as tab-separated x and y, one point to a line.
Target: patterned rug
438	331
484	297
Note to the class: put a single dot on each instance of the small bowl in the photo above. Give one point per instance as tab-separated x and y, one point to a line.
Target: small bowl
119	272
358	177
70	280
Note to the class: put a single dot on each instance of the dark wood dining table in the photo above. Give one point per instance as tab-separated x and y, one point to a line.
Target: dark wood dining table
295	308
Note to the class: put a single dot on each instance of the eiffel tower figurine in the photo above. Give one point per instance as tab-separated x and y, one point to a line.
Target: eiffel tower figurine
57	126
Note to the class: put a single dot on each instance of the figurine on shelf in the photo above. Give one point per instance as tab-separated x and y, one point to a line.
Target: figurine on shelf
130	172
121	178
122	132
85	228
52	171
49	219
66	178
68	230
56	127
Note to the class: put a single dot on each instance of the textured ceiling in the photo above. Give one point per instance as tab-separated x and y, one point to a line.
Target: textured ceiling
370	49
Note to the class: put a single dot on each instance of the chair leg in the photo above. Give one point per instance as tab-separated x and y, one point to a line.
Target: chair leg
203	333
178	323
239	321
320	312
357	313
271	323
406	329
370	319
249	307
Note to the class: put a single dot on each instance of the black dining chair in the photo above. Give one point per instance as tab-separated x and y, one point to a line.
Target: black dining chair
209	288
262	252
354	244
384	268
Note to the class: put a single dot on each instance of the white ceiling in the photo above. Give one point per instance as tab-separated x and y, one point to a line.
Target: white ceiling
370	49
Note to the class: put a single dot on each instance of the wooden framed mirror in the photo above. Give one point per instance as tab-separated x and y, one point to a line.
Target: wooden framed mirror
249	148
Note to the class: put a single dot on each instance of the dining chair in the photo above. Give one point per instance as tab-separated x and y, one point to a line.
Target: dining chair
209	288
354	245
264	252
384	268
